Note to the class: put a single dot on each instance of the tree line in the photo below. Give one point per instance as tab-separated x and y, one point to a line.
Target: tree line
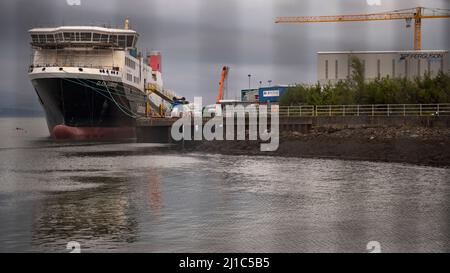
386	90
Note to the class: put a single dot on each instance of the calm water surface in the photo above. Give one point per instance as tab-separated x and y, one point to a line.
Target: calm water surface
148	198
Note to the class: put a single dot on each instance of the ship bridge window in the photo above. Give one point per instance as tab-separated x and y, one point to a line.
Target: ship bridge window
59	37
50	38
96	37
42	38
69	36
86	36
113	39
130	39
121	41
104	38
35	38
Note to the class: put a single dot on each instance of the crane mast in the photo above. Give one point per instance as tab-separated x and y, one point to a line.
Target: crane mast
223	78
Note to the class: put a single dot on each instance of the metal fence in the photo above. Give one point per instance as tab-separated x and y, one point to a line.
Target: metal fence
384	110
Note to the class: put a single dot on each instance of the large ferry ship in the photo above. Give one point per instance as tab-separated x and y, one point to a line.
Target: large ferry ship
92	81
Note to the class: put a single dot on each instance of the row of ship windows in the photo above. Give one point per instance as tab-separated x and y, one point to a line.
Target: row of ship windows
130	78
120	40
130	63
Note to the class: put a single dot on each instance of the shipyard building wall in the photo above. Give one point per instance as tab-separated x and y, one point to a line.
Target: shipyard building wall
335	66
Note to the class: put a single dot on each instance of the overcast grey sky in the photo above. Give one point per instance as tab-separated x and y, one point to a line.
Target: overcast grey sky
198	37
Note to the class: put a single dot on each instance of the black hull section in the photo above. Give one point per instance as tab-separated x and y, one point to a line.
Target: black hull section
88	103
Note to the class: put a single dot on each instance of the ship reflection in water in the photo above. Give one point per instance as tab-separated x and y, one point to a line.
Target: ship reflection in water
141	197
106	216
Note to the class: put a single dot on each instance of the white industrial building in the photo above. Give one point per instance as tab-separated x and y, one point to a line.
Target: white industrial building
335	66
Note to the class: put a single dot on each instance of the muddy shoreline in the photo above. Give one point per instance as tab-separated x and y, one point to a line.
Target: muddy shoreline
421	146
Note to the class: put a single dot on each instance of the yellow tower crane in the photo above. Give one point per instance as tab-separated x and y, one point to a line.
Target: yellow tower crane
416	14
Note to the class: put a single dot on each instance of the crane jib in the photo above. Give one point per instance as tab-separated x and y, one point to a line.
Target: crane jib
416	14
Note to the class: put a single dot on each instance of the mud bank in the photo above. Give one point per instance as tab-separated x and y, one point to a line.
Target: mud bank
422	146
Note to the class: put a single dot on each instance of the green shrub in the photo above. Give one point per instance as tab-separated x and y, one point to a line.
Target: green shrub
356	90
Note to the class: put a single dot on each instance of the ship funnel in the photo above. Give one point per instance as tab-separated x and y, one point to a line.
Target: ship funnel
154	60
127	24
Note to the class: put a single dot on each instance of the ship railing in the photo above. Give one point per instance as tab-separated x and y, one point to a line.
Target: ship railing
77	65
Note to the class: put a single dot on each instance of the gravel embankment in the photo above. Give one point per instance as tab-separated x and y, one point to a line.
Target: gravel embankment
423	146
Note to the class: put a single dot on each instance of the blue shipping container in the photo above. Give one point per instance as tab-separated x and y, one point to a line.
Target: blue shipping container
271	94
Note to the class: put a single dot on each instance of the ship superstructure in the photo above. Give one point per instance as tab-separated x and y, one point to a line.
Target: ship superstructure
91	81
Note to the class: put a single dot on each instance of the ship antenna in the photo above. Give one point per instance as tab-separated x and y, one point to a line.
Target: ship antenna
127	24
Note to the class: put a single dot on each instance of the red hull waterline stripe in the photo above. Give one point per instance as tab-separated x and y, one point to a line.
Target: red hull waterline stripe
81	133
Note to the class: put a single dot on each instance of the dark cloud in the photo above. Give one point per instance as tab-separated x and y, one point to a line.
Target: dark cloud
198	37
